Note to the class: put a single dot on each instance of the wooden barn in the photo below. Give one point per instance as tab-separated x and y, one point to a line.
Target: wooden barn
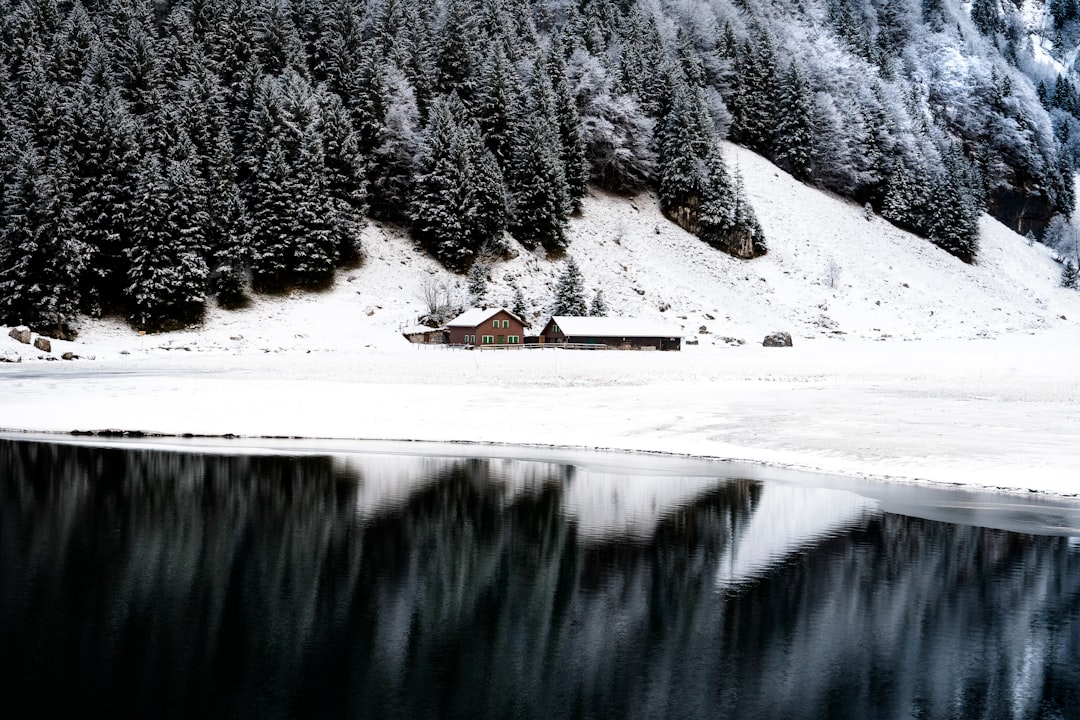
614	333
423	335
490	327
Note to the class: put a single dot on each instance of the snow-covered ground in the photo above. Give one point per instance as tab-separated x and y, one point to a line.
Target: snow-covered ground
907	364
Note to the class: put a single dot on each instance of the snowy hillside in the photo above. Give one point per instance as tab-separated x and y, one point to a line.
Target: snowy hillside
886	283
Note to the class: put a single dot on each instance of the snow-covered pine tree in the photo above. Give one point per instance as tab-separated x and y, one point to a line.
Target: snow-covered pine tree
518	305
794	132
41	257
102	142
754	97
953	214
458	201
906	199
684	137
598	307
572	148
497	105
539	198
1070	275
227	228
168	274
312	234
727	219
570	292
271	223
477	284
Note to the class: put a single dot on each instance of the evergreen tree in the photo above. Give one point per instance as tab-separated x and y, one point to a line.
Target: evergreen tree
168	273
906	200
478	284
518	306
727	219
570	292
540	200
954	217
227	226
754	98
986	16
497	105
271	222
458	203
312	232
599	306
572	144
794	133
41	257
1070	275
684	139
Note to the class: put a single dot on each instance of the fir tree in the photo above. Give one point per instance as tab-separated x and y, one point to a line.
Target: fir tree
572	145
570	292
41	257
540	201
168	273
684	139
753	100
1070	275
478	284
794	133
271	220
518	305
727	219
599	306
954	217
458	203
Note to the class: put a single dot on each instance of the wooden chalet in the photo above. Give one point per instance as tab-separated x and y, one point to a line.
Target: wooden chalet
490	327
614	333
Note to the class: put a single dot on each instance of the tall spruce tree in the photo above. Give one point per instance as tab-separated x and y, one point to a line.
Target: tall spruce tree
570	292
728	221
458	202
41	256
685	136
794	132
168	274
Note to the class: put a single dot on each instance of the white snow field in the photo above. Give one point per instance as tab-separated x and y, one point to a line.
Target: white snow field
907	364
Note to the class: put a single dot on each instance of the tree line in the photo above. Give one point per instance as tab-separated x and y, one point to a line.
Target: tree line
155	154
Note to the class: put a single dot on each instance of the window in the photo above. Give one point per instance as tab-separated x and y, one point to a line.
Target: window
512	340
488	339
506	323
494	323
555	329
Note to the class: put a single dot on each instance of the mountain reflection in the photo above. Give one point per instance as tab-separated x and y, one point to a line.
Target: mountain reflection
165	584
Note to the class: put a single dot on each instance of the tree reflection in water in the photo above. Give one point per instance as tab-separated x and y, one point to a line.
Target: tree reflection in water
149	583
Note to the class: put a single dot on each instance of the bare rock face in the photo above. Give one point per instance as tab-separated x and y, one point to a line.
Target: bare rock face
43	344
21	333
777	339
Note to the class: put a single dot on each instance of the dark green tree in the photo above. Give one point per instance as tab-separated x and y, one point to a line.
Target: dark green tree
570	292
41	256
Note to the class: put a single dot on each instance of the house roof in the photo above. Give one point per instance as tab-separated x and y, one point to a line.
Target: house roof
474	317
622	327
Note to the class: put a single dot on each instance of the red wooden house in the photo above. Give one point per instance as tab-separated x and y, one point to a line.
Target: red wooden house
480	327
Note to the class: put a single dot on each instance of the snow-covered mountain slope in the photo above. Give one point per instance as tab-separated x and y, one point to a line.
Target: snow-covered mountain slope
831	272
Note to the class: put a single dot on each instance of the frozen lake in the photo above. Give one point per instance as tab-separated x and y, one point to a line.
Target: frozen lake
262	578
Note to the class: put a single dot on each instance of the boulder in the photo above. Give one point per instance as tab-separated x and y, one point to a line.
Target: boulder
777	339
21	333
43	344
68	356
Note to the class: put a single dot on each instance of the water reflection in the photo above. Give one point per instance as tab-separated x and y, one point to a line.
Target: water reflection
148	583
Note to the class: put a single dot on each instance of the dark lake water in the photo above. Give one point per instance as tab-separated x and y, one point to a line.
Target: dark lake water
140	582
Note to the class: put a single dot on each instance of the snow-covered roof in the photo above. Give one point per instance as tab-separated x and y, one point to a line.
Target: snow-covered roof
419	330
474	317
615	327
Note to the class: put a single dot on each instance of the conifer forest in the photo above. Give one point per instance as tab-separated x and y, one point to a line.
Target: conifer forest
157	155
